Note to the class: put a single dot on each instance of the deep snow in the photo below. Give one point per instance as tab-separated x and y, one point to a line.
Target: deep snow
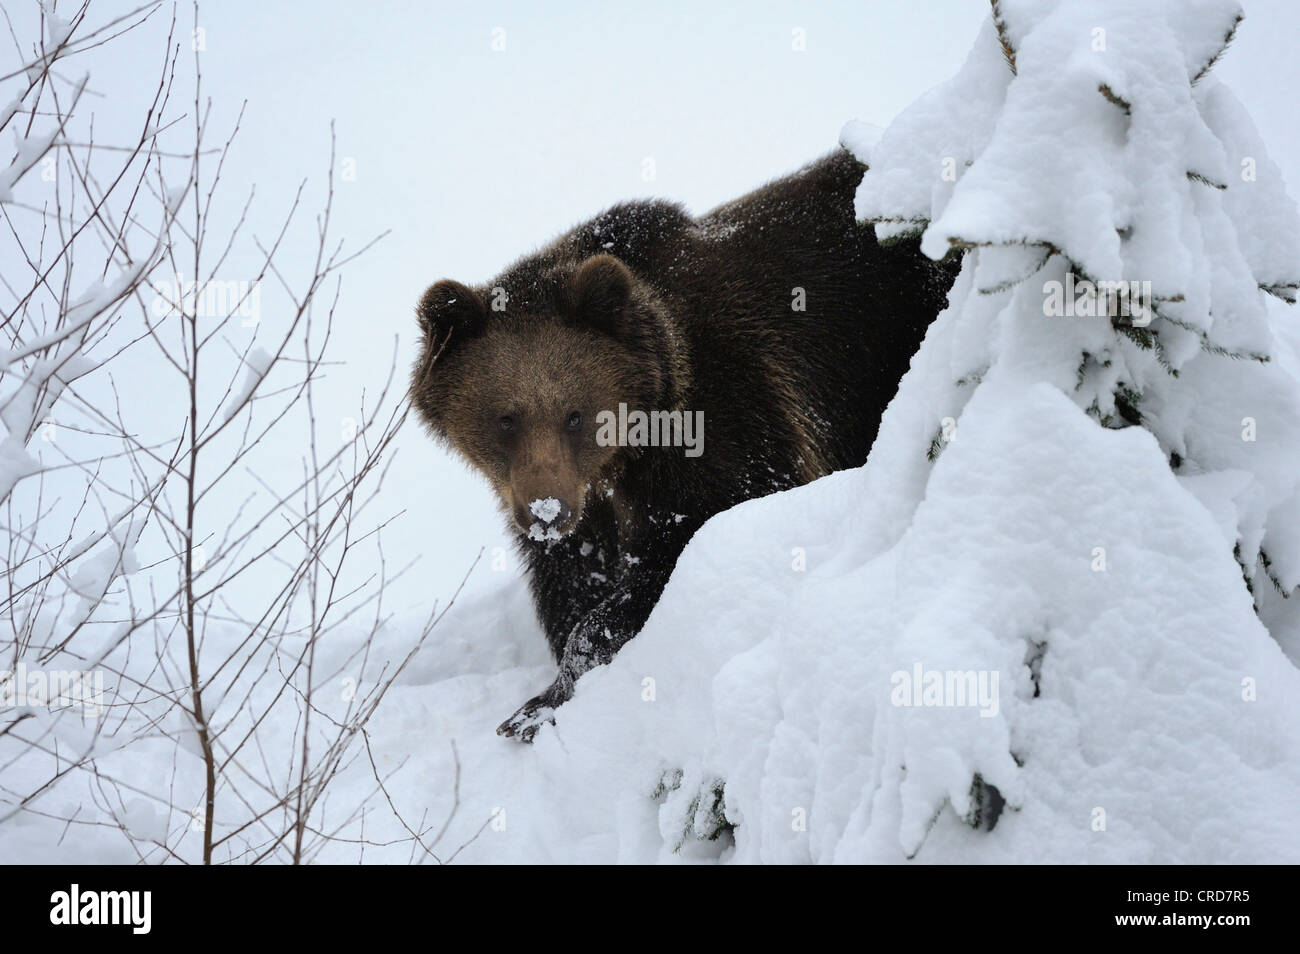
1145	707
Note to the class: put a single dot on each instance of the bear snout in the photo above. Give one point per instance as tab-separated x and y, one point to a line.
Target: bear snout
544	517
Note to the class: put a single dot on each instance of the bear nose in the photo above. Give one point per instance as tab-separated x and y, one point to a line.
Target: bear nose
546	513
551	511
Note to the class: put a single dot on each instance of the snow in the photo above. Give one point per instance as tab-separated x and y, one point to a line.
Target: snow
1140	711
542	529
786	708
543	533
257	364
860	138
90	305
545	510
1141	702
57	28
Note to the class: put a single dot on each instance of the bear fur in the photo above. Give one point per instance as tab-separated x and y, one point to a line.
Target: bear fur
777	316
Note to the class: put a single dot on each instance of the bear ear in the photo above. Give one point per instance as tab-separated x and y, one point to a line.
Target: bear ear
600	292
448	312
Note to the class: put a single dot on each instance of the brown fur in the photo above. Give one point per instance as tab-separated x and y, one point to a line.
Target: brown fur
538	371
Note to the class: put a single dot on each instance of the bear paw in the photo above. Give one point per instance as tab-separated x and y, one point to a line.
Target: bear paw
536	712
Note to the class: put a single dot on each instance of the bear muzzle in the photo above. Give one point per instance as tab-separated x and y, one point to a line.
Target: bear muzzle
544	516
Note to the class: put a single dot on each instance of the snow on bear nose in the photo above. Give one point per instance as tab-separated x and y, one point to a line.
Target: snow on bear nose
549	510
545	517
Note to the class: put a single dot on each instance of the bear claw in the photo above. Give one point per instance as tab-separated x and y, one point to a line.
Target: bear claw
530	717
537	711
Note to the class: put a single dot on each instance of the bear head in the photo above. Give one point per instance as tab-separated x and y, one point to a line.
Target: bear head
514	376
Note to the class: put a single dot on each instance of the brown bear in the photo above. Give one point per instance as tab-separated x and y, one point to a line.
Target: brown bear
584	380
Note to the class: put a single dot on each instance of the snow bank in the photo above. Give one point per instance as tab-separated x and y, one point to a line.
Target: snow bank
1047	621
1128	740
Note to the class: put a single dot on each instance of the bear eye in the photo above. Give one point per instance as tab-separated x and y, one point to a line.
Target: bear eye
506	423
575	421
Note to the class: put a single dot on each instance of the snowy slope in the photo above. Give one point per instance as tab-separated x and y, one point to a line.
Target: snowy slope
1092	578
786	695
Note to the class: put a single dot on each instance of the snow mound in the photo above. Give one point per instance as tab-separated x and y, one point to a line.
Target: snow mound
1052	619
1142	714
